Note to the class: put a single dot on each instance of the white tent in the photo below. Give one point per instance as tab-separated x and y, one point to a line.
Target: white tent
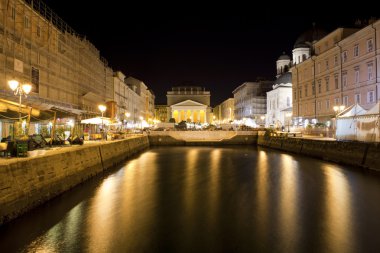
97	121
356	123
352	111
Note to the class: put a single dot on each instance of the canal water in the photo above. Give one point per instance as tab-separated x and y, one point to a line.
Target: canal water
205	199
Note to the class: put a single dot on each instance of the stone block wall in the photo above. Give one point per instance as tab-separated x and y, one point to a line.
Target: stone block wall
28	182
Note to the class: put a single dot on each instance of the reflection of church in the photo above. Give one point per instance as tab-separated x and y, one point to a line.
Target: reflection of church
189	103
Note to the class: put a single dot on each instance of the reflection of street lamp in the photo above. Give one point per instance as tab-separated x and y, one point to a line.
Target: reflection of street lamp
102	109
288	115
213	119
20	89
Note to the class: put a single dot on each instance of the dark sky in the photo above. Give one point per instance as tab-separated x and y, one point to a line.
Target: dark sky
218	47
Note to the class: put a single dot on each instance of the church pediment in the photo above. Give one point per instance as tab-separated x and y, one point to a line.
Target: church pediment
188	103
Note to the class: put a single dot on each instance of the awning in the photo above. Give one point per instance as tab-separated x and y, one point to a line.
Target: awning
96	121
10	109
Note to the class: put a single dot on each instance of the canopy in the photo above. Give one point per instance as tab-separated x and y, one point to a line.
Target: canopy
10	106
352	111
96	121
374	110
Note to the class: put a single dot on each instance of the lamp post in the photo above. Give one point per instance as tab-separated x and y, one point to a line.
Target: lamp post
141	121
102	109
127	114
20	90
262	119
288	115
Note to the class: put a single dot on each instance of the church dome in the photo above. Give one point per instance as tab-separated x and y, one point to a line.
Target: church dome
284	78
309	36
284	57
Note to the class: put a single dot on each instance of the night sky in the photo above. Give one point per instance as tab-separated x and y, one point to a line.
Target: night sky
216	47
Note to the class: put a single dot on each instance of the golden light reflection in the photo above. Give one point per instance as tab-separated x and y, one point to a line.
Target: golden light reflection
191	160
338	211
288	212
216	156
101	224
262	193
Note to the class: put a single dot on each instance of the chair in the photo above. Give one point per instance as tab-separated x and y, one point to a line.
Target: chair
22	149
6	148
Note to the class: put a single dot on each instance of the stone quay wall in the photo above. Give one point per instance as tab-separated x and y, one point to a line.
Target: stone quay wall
202	138
365	155
28	182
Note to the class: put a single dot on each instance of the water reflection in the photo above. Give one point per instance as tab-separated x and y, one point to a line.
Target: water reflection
339	221
209	200
288	207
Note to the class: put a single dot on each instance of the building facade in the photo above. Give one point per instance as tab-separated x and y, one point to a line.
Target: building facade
161	113
189	103
129	103
144	105
279	100
342	71
64	68
227	110
250	100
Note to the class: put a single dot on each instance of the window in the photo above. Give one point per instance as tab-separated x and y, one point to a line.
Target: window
287	101
344	56
306	90
370	96
336	101
327	79
327	64
319	86
336	81
38	31
319	105
369	71
356	50
345	101
344	79
336	60
26	22
369	45
35	79
313	87
328	104
300	92
13	13
357	76
295	95
319	67
357	98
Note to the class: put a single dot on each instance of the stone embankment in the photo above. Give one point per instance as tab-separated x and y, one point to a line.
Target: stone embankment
202	138
28	182
366	155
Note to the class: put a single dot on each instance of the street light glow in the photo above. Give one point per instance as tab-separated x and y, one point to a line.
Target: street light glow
102	108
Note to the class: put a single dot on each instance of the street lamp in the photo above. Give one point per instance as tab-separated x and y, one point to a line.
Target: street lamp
262	119
288	115
102	109
20	90
127	114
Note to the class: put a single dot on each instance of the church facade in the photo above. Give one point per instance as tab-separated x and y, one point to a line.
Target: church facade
190	104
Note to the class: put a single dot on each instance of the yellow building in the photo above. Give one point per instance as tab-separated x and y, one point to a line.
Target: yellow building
189	103
341	71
